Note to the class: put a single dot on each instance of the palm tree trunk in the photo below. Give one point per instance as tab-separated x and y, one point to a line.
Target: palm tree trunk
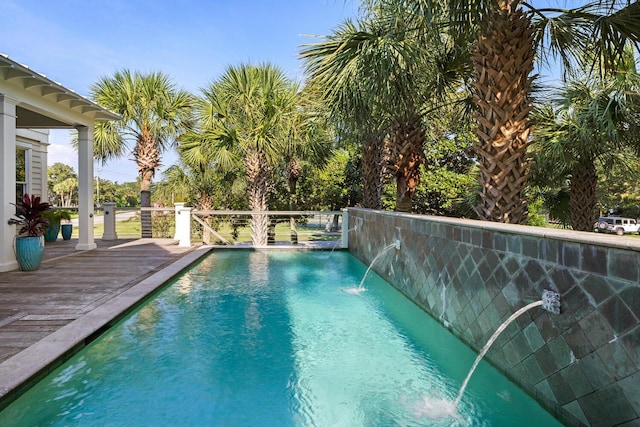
407	153
145	202
205	203
294	170
503	63
147	156
582	195
258	188
373	160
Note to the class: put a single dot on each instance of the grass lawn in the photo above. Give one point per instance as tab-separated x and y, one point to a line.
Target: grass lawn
164	228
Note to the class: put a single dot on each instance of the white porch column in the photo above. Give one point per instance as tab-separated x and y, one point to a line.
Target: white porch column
183	225
7	181
85	189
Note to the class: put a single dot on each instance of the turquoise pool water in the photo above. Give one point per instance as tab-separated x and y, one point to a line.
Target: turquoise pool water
274	339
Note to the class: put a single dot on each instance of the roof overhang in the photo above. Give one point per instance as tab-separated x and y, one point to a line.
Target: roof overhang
43	103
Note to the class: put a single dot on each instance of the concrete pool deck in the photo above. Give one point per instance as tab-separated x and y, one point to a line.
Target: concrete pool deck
73	297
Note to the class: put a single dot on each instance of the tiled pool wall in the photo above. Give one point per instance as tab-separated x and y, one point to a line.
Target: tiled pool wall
583	364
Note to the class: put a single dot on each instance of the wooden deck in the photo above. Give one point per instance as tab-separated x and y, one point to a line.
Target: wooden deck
69	285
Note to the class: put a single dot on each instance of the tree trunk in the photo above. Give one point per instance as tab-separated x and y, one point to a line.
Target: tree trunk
205	203
373	160
582	195
258	188
145	216
407	153
147	155
294	171
503	62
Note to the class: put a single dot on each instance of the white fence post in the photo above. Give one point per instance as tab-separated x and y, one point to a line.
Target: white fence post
109	219
345	229
183	225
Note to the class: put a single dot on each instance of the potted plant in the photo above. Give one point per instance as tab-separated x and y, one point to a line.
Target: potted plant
67	229
29	243
55	217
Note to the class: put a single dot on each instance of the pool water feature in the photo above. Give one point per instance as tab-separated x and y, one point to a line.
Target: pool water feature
270	338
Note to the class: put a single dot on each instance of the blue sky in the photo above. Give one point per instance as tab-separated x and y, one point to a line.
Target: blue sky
75	42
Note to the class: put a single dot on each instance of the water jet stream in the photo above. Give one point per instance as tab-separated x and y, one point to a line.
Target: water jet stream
385	249
495	335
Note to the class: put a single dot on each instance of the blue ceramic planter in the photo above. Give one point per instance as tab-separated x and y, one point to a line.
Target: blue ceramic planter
67	229
29	251
51	235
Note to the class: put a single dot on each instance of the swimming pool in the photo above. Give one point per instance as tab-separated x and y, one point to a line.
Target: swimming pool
273	338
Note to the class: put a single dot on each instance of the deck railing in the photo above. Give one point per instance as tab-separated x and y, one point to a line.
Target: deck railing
228	227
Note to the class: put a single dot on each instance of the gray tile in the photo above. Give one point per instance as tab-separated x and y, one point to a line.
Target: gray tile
562	279
616	360
577	341
597	288
618	409
630	386
534	270
623	264
595	371
631	297
618	315
549	250
570	254
544	392
577	380
561	352
597	329
546	361
531	367
533	336
631	341
530	247
594	259
575	410
577	302
561	389
514	244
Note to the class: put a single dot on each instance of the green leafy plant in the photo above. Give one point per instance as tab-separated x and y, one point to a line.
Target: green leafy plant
57	215
30	216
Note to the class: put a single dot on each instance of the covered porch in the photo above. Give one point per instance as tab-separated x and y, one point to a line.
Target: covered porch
29	100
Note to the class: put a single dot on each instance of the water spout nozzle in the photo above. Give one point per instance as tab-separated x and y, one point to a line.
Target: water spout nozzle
397	244
551	301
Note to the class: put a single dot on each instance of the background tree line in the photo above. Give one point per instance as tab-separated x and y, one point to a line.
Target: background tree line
423	106
63	189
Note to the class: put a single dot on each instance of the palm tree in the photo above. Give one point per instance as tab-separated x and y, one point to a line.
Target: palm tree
154	112
508	35
590	121
364	67
247	114
379	74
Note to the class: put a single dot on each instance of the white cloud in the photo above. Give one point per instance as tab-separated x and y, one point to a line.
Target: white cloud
62	153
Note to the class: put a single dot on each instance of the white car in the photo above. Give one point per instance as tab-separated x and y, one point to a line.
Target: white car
618	225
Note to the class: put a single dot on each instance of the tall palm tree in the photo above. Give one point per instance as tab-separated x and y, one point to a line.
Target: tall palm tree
590	121
247	114
309	141
363	67
508	36
154	112
380	73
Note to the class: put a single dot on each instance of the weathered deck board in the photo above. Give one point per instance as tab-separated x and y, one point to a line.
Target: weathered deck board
70	284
